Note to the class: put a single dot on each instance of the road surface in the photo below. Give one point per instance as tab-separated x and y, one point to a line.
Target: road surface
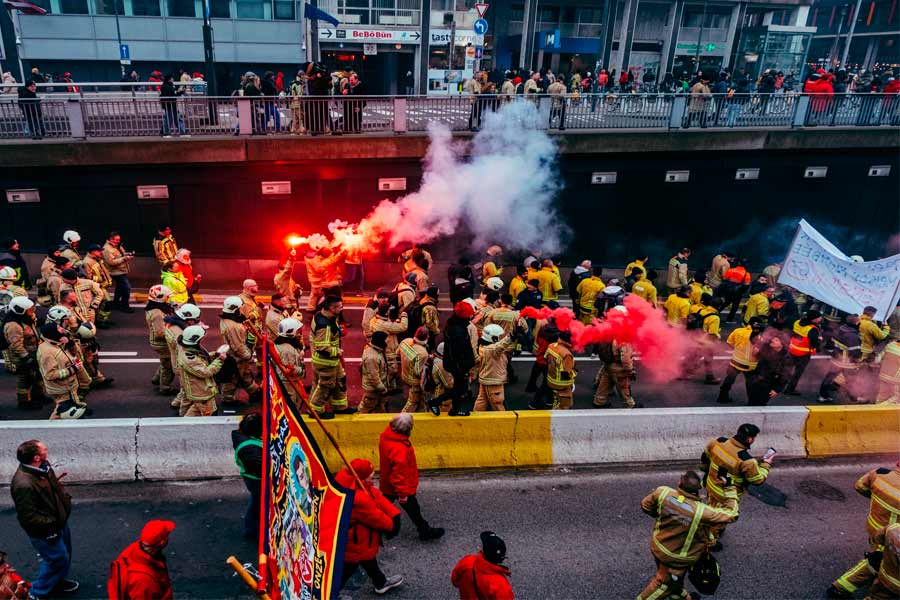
570	534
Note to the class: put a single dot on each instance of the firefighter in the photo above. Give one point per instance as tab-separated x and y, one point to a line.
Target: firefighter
118	262
239	372
70	248
678	307
290	349
82	346
55	280
870	333
549	283
616	370
374	371
428	314
486	303
887	584
704	322
197	370
561	370
322	265
405	294
8	292
681	534
889	375
518	284
545	333
418	275
280	309
88	293
174	278
513	325
413	354
490	268
285	284
586	295
59	371
880	486
183	317
643	286
21	336
393	328
845	362
250	308
744	340
758	305
48	268
677	275
155	313
95	270
329	378
164	245
805	341
442	379
493	348
86	336
699	286
731	456
382	298
408	258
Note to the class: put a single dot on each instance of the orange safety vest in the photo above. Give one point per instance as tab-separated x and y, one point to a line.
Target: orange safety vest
800	345
738	275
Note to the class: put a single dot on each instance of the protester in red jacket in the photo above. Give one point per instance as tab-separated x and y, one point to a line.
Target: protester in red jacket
12	586
372	516
141	572
399	477
482	576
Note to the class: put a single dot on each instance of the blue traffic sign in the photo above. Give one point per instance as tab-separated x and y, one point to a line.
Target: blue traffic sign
124	53
480	27
479	51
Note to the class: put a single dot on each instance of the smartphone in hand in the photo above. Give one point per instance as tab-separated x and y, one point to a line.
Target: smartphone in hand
769	455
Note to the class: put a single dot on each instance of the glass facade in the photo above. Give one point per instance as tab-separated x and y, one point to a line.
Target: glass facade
109	7
783	51
145	8
181	8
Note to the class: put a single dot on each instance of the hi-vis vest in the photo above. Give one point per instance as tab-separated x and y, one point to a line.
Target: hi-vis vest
237	458
325	337
890	364
800	345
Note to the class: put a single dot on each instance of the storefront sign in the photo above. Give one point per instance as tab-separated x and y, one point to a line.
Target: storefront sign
463	37
371	36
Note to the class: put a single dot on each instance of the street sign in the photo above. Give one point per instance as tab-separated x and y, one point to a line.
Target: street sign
124	54
480	27
371	36
479	51
710	47
481	8
370	49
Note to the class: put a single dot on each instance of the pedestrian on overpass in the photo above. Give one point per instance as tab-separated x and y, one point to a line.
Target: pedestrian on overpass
483	575
168	98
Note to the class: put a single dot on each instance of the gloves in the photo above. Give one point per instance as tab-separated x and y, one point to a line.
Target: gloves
395	530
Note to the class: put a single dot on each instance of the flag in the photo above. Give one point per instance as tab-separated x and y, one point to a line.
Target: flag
817	267
24	7
317	14
306	513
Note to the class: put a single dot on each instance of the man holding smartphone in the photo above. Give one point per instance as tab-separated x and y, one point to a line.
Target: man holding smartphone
729	459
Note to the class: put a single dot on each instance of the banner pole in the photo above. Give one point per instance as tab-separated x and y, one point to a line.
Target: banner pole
786	256
247	577
298	386
262	585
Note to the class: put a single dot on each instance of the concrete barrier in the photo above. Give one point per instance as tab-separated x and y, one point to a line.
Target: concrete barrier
186	448
847	430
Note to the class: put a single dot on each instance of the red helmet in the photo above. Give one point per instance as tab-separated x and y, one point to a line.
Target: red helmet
463	310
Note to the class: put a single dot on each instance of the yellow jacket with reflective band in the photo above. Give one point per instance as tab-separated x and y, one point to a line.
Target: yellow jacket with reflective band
646	290
711	320
890	364
251	310
391	328
635	264
744	356
488	270
374	370
800	345
882	487
412	361
681	533
22	338
157	326
870	334
507	318
97	271
559	362
548	283
516	286
757	306
175	281
234	334
442	378
165	249
492	361
727	455
587	291
173	332
57	368
196	373
889	573
88	293
325	339
697	291
677	310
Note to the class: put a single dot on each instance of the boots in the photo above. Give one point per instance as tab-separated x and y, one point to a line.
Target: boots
431	533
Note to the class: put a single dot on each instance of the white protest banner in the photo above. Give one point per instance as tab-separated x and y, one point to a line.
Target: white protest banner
816	267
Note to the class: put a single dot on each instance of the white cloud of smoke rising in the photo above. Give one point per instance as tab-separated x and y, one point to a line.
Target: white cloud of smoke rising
504	194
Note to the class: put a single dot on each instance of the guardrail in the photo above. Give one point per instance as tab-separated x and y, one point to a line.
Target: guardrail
56	116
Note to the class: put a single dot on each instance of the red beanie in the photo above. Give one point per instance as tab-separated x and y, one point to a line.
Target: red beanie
362	467
155	532
463	310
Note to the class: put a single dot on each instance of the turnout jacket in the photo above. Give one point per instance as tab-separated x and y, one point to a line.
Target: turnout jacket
196	371
374	370
882	486
57	368
728	456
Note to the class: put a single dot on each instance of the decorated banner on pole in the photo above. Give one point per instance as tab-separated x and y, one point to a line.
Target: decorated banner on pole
305	513
817	267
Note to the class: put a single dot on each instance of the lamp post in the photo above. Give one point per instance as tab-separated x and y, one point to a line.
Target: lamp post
119	35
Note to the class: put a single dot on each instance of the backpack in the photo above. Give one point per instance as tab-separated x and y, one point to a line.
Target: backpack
695	320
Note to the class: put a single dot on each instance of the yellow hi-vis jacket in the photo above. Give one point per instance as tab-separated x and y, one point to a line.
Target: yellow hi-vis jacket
882	487
560	366
727	456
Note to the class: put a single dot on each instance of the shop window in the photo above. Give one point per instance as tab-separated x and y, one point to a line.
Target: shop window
145	8
74	7
283	10
181	8
109	7
250	9
220	9
711	18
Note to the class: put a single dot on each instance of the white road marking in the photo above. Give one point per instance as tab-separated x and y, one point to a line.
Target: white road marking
103	353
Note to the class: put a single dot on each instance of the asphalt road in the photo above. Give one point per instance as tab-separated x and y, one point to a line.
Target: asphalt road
569	534
126	356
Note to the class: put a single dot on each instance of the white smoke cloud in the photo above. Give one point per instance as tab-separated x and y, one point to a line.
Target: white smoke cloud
504	194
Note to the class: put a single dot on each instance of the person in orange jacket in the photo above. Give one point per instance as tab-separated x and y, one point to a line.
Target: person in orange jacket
482	576
372	516
141	572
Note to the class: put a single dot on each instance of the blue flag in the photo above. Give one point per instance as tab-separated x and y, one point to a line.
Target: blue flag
311	12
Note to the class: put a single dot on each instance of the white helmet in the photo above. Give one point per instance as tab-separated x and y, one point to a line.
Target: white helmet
86	331
289	327
70	237
495	250
471	303
188	311
58	314
20	305
159	293
494	284
492	333
440	349
192	335
8	274
232	304
70	410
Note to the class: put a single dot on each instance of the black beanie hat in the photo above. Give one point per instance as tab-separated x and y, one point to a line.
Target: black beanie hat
69	274
50	331
493	548
379	339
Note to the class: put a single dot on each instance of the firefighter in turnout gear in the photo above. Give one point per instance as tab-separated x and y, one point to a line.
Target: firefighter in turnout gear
69	248
164	246
443	383
86	336
197	370
8	291
183	317
82	344
703	324
55	280
561	370
382	322
744	340
887	585
374	374
681	534
871	333
290	349
329	378
95	270
731	457
59	370
805	340
493	348
616	370
285	284
889	375
513	326
586	295
155	313
250	309
845	362
89	293
21	336
413	354
882	487
279	310
238	372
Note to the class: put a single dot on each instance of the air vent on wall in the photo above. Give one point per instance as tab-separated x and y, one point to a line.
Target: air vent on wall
276	188
815	172
604	178
392	184
745	174
677	176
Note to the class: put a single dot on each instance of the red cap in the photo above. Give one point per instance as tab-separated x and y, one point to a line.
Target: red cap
362	467
155	532
463	310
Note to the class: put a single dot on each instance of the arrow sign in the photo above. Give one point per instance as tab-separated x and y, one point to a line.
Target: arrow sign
327	33
481	8
480	27
416	34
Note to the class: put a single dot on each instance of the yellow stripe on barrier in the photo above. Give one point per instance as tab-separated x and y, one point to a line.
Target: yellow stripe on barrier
844	430
478	441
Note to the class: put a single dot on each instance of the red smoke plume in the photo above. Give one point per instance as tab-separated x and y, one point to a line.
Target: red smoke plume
661	347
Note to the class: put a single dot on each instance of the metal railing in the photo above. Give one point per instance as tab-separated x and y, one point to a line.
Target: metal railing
149	116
